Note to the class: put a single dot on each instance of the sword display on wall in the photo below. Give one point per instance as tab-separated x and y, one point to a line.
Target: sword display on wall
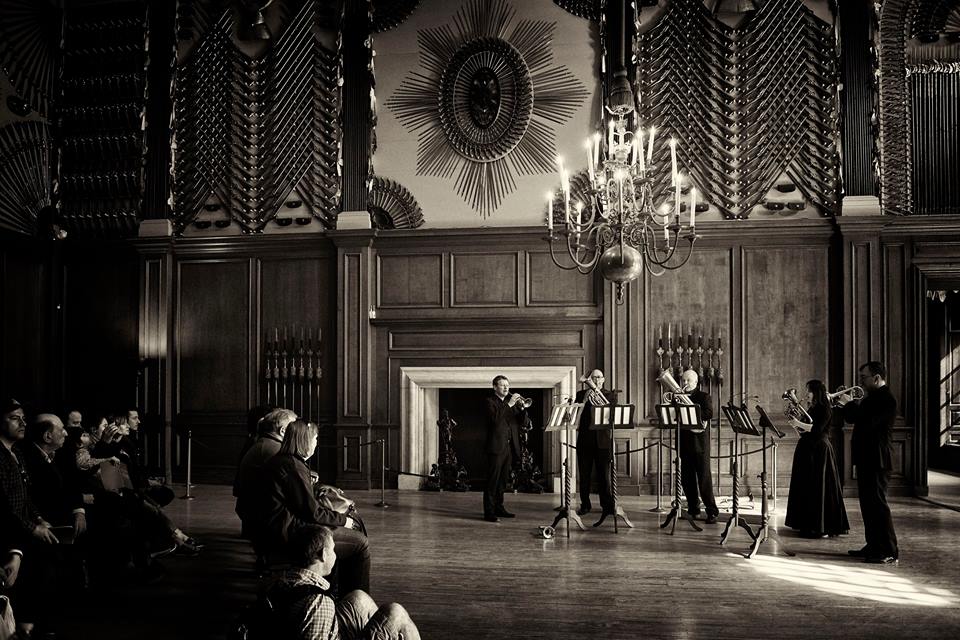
292	370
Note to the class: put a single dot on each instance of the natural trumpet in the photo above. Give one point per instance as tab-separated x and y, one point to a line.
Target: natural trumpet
526	403
674	392
795	411
856	393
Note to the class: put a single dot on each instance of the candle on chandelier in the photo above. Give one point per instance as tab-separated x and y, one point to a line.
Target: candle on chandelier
590	167
610	139
565	181
693	206
638	141
596	149
550	211
673	162
653	132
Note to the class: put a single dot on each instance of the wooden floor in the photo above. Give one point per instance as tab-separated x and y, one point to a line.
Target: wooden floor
461	577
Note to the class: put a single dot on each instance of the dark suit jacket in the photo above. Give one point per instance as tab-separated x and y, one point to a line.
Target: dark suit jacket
872	420
503	425
285	501
53	495
586	419
692	440
18	515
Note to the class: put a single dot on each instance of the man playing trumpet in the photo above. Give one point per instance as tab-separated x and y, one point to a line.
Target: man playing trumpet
504	417
695	454
593	447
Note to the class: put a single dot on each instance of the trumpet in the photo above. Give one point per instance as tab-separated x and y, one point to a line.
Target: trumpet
854	392
795	411
674	392
526	403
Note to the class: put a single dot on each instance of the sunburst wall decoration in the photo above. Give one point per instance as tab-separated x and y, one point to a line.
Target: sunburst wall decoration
484	103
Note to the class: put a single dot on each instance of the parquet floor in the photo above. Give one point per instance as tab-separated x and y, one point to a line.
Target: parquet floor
461	577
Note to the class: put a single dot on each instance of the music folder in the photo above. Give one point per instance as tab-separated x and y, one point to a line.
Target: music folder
685	416
564	416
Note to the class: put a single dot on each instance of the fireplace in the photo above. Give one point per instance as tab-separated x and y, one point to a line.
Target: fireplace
419	409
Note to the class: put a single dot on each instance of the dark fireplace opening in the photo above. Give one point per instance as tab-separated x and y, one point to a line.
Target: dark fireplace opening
468	408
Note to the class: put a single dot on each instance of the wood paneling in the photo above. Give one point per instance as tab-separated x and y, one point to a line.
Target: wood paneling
25	351
213	319
548	285
861	281
353	365
785	317
697	294
100	315
409	281
484	279
895	338
496	338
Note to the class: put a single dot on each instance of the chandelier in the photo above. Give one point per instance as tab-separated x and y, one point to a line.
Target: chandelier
610	220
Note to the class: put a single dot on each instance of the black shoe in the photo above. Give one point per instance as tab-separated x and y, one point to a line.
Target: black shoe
503	513
882	560
859	553
711	519
582	511
185	550
695	516
489	517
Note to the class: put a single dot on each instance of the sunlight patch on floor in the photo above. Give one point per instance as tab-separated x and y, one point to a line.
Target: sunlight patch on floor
856	582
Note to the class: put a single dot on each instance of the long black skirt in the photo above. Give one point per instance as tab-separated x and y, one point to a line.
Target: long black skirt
815	504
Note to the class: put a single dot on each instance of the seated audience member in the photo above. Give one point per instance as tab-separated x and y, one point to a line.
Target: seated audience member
271	429
23	529
58	501
130	444
302	600
254	417
286	502
74	420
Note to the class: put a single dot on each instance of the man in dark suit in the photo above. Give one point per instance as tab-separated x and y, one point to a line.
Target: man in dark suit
504	417
871	446
695	454
593	447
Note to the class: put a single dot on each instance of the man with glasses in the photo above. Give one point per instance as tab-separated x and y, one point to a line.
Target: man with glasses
872	445
593	447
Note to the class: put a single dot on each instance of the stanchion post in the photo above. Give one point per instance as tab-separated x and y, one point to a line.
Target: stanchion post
383	473
187	496
659	507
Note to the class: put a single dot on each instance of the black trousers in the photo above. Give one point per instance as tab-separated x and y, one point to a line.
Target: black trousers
590	457
877	523
498	475
695	472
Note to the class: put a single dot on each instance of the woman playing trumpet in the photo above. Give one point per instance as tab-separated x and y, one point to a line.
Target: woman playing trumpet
815	504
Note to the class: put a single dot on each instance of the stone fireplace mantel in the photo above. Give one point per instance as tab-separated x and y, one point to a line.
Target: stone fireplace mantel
419	405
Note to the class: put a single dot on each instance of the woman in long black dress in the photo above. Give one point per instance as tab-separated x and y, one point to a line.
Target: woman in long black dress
815	505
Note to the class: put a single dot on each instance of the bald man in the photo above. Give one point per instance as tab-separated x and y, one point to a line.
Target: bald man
593	449
695	454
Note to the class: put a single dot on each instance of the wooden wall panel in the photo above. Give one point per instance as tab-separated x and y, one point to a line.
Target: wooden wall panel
895	331
213	316
353	364
861	281
101	331
548	285
493	338
410	281
785	321
484	279
698	293
25	324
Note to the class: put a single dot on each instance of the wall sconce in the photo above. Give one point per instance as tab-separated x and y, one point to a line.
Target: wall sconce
372	312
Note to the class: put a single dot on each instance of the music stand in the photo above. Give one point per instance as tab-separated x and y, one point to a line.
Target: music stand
610	417
740	422
678	416
562	418
764	532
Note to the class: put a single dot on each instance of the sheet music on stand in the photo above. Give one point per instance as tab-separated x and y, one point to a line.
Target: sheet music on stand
565	418
617	416
608	418
685	416
740	421
678	417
